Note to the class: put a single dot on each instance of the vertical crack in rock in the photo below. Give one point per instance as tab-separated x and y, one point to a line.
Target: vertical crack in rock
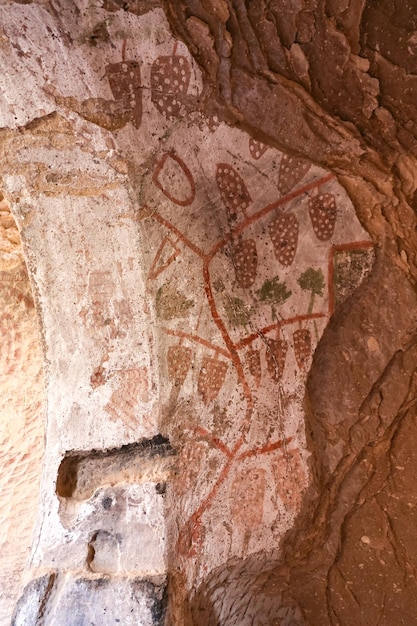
45	599
103	552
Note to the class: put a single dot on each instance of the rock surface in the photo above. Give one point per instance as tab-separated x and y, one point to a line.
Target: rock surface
22	413
216	201
56	599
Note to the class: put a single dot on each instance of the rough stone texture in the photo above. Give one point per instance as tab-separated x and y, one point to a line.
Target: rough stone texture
22	413
186	272
68	600
334	78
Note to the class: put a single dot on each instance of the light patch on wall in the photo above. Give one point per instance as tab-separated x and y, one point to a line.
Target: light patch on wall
21	412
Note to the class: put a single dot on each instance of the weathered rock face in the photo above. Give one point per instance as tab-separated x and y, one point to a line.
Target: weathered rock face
22	413
186	273
332	74
68	600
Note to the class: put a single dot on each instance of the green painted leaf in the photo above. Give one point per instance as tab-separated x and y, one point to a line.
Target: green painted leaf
273	291
312	280
171	303
237	311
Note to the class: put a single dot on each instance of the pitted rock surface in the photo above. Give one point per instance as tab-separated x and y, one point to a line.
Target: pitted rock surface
217	206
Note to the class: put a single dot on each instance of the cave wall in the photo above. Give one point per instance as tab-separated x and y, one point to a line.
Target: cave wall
184	273
22	427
